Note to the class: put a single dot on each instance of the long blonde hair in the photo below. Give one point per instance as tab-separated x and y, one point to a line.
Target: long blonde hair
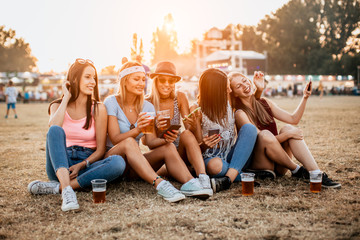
257	113
122	90
154	96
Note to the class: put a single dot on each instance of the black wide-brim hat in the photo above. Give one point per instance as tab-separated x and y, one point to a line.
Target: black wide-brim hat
165	68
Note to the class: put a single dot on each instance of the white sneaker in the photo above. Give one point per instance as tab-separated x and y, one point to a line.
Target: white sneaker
69	199
38	187
193	188
169	192
205	182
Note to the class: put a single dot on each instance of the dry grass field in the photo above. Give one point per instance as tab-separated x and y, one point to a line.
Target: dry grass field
280	209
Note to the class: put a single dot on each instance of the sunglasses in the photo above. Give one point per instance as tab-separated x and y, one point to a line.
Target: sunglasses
163	80
83	61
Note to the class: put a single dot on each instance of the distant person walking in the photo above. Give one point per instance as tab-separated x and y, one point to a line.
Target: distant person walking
75	142
11	94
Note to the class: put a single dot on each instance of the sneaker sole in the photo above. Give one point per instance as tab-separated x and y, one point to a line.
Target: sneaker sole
204	193
65	209
213	185
334	186
175	199
31	185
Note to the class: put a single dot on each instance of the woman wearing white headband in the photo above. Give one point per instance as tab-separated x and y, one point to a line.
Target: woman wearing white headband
125	123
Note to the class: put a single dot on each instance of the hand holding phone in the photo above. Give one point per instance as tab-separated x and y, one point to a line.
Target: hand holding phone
172	127
309	86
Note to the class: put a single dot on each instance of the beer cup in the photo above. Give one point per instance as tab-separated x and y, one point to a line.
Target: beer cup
149	128
99	190
247	182
315	182
164	114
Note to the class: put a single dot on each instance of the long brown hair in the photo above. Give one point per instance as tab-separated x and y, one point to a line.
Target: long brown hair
212	96
257	113
122	90
74	75
154	96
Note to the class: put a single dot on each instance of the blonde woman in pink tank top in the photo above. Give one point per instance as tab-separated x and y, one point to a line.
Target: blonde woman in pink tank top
76	140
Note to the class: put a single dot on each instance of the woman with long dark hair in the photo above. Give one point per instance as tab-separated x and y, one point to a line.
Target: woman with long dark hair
76	140
224	158
273	151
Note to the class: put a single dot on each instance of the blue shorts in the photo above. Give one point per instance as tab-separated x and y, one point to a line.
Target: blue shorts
12	105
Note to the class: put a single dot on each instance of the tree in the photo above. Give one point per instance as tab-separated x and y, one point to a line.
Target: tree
164	41
134	48
15	53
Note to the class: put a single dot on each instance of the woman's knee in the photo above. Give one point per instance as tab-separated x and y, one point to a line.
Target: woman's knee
55	130
266	137
287	128
187	137
249	128
214	166
118	164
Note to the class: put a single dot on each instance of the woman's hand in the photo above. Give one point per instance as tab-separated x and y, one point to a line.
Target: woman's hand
161	122
296	134
65	89
192	120
307	92
259	80
142	121
75	169
171	136
211	141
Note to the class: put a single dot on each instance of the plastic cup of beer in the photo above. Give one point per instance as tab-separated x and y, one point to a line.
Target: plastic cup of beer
315	182
99	190
161	115
247	182
149	128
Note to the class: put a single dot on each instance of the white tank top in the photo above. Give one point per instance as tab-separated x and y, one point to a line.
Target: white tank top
227	133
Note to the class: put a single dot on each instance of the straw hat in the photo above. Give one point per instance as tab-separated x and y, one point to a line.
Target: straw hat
165	68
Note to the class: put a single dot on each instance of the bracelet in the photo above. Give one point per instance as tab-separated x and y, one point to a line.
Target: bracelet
156	179
87	164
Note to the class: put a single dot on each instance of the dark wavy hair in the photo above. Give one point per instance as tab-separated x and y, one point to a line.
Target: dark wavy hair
75	72
213	98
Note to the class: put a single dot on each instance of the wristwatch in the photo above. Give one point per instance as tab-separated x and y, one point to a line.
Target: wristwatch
87	163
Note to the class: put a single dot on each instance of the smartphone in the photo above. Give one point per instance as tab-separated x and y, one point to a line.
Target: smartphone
310	83
194	111
172	127
213	131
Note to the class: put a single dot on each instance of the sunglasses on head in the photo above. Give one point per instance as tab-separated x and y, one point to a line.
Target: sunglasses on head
169	80
83	61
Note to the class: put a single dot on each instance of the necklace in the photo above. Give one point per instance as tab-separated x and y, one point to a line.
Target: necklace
130	109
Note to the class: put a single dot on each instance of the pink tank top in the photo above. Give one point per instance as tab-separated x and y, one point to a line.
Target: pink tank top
76	134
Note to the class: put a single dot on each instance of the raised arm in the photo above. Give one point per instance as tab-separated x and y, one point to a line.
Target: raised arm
296	116
259	82
57	111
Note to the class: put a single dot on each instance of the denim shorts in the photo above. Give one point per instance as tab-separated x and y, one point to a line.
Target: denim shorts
12	105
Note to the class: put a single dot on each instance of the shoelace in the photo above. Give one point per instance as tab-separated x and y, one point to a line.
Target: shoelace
69	197
46	188
169	188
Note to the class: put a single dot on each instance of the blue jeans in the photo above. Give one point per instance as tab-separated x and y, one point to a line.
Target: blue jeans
239	157
60	156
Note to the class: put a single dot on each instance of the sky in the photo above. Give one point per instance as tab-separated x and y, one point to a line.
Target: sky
101	30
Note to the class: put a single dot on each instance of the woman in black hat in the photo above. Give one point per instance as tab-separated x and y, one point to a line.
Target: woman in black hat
164	97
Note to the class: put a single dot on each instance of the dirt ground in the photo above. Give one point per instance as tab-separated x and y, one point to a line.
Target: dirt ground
280	209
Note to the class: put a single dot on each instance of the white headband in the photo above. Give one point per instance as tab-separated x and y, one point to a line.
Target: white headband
131	70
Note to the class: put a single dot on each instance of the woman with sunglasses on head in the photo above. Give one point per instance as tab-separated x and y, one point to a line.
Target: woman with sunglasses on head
273	151
126	121
164	97
224	159
76	140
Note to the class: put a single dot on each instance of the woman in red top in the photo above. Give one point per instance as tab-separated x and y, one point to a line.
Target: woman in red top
274	151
